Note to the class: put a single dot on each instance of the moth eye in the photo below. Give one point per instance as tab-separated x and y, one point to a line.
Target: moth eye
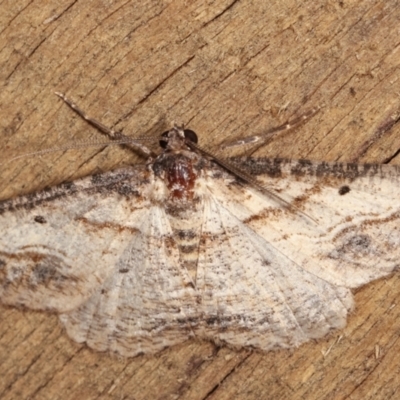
164	140
190	135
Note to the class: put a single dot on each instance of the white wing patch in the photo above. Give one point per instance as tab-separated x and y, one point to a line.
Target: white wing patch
144	306
256	296
140	259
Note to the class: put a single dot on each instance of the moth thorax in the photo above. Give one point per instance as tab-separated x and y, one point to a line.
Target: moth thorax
179	174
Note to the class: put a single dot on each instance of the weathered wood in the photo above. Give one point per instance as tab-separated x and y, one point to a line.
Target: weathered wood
227	69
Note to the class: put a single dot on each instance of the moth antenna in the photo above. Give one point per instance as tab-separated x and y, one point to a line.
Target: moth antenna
261	139
75	146
113	135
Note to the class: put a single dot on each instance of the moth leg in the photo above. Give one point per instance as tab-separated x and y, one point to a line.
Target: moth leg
263	138
113	135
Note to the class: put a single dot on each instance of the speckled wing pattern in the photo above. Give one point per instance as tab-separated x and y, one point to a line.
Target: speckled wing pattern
143	258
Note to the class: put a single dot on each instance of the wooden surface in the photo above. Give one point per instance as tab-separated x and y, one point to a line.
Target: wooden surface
226	69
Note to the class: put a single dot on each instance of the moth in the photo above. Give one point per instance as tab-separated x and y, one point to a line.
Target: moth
256	253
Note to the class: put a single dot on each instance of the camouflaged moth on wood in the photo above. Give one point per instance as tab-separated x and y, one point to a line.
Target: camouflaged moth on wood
261	253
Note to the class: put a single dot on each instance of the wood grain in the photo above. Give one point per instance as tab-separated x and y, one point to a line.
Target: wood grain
226	69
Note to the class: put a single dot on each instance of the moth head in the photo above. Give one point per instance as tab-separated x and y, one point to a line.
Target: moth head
175	138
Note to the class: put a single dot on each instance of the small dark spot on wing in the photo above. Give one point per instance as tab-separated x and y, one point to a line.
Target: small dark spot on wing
123	270
344	189
40	219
